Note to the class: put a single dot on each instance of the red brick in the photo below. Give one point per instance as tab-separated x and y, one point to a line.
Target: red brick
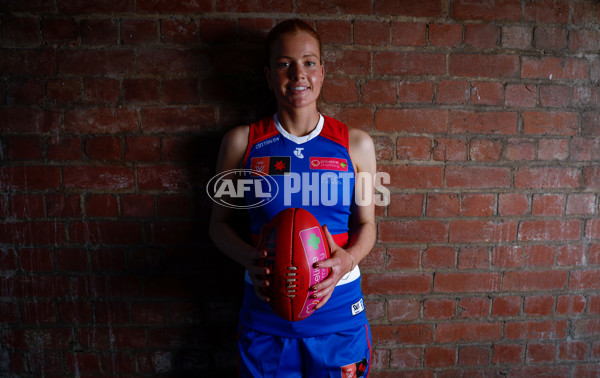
411	8
547	11
485	150
550	230
102	90
553	149
174	206
63	206
102	120
411	120
471	331
82	362
409	63
334	31
585	149
509	10
330	7
177	119
160	60
71	259
539	353
64	91
384	148
155	362
106	232
403	258
95	62
581	204
30	6
474	356
103	148
27	91
452	92
536	330
450	149
406	358
414	176
10	313
142	148
473	307
594	254
513	204
592	229
415	92
521	95
587	328
502	123
20	31
473	258
180	32
534	280
93	6
39	313
554	68
466	282
98	177
408	34
98	32
482	36
438	308
506	306
138	31
379	92
584	40
539	255
141	90
408	334
107	259
101	205
507	256
477	177
418	231
573	351
372	33
28	120
445	35
180	91
520	149
591	177
584	280
442	205
550	38
148	313
163	177
38	287
36	259
25	148
438	357
477	205
547	178
550	123
517	37
403	310
507	354
478	65
541	305
413	148
340	91
137	205
570	304
27	206
397	283
29	178
438	257
60	30
28	62
548	204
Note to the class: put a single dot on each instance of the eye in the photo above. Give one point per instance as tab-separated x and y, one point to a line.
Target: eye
282	64
311	63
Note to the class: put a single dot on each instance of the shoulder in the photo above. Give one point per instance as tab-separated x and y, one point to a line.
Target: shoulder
361	149
237	138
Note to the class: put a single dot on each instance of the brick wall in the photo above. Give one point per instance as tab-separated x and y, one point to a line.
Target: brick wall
485	114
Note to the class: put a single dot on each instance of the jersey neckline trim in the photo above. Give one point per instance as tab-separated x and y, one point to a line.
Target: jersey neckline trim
299	139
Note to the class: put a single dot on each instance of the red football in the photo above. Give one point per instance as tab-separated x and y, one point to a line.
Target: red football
294	241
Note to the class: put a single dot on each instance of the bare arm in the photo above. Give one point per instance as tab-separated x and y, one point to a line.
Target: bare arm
362	231
231	155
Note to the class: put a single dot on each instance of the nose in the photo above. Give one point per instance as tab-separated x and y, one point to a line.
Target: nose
297	71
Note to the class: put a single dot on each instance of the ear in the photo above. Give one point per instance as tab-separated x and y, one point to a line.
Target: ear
267	71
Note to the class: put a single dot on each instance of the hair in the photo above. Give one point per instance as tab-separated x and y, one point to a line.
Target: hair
290	26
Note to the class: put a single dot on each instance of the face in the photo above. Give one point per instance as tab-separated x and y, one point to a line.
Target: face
295	73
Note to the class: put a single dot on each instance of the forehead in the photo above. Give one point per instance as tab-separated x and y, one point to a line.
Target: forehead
296	43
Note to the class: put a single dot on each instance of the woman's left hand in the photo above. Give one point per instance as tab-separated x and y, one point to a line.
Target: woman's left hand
340	263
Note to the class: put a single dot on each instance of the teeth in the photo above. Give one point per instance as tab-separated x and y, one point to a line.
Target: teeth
299	88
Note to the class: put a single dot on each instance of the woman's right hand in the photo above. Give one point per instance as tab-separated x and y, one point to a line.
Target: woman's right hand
258	273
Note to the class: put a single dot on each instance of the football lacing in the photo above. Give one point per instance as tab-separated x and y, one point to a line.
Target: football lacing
290	286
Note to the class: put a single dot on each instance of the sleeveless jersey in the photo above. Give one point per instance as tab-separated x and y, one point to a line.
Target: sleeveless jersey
313	172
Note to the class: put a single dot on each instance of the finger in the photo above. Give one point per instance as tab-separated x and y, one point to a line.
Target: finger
332	244
322	302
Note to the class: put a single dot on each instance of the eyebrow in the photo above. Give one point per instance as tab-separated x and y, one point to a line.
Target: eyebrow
303	56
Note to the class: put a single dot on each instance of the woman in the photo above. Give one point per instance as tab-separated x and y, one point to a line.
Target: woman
298	140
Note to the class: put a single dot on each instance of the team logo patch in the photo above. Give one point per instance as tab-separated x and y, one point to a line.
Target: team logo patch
355	370
329	164
271	165
358	307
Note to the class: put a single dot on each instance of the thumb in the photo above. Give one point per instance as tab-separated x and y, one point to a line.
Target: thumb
332	244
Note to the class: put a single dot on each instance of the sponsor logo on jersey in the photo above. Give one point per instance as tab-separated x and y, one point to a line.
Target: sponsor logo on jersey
329	164
358	307
271	165
298	152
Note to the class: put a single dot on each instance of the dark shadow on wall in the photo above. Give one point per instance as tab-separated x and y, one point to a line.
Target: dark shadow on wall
236	86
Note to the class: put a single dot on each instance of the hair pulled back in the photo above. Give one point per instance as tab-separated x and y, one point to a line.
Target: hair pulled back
290	26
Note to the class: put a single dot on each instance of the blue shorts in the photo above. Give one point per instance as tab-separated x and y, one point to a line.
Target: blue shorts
342	354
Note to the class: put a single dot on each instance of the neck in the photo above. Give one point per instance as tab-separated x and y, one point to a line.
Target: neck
298	122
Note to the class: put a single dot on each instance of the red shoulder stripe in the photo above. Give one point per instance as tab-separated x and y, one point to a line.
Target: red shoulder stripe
335	131
259	131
